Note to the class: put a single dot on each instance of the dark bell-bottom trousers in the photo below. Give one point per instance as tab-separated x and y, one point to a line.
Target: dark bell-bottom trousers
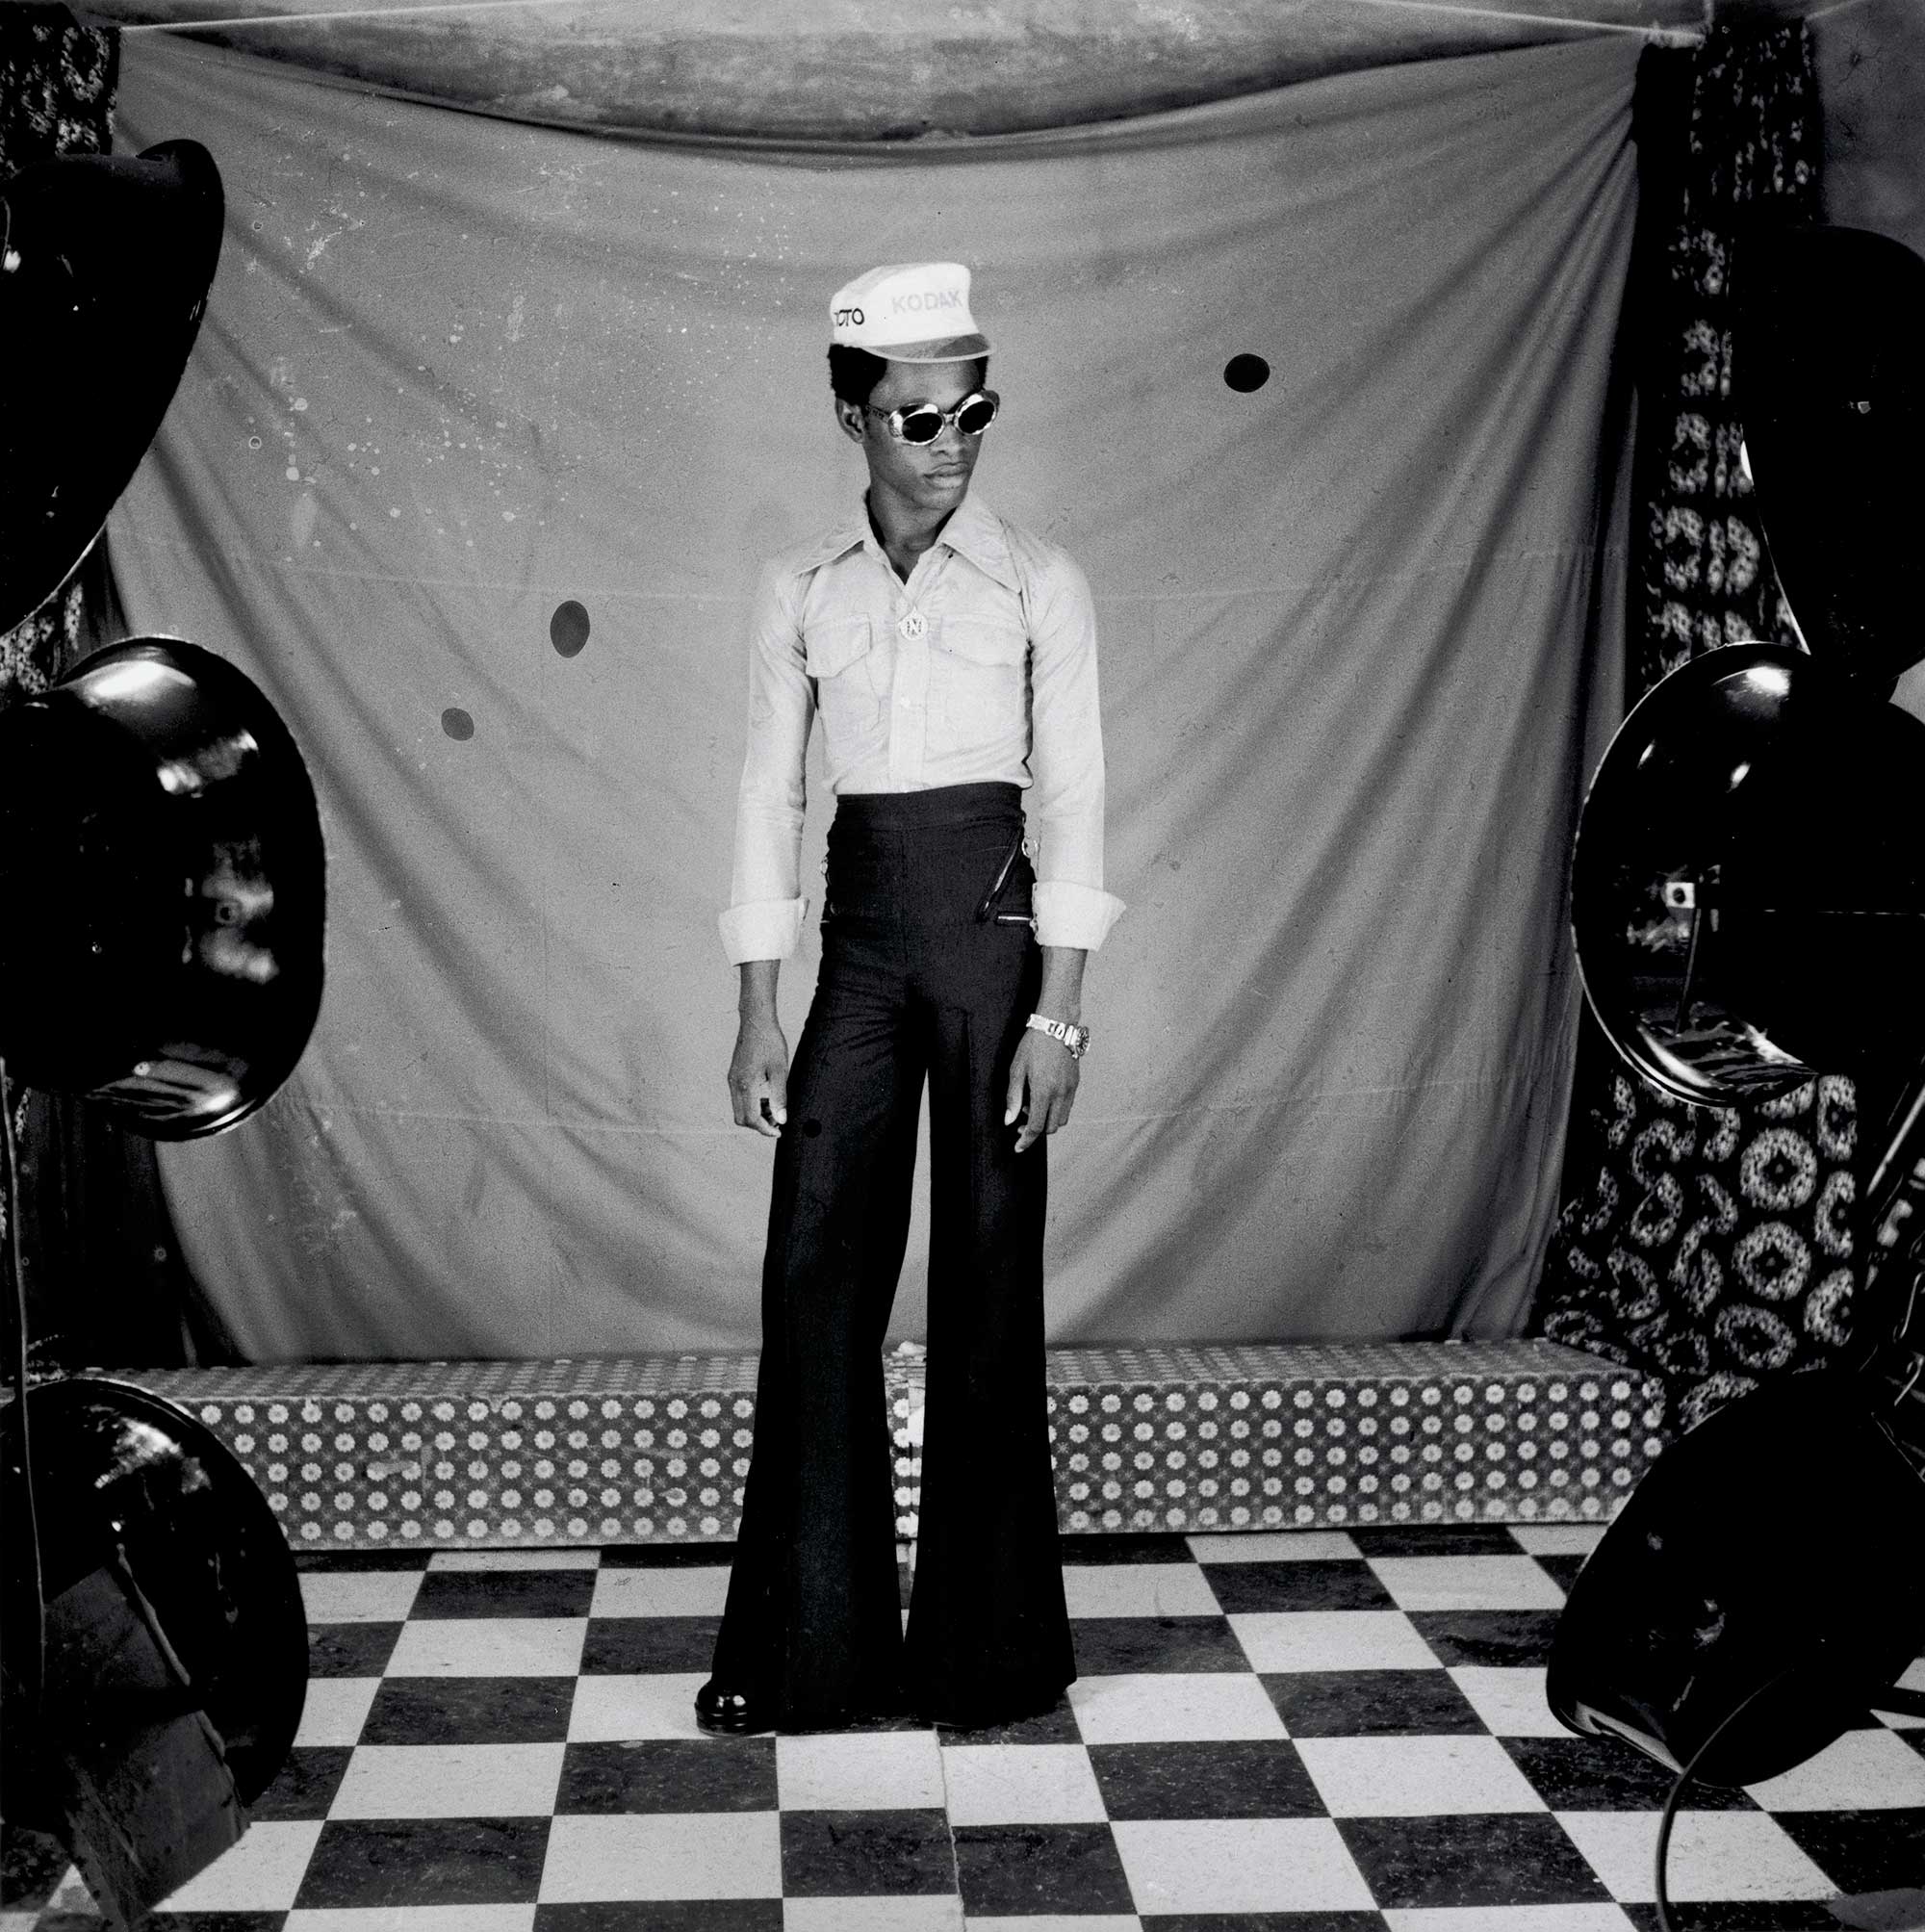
920	978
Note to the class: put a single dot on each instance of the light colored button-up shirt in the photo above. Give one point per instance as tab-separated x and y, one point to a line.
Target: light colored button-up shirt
981	667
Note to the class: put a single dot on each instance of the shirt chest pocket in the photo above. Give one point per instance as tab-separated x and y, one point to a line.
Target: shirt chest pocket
839	655
979	665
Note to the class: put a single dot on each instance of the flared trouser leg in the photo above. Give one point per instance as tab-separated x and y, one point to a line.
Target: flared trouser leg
812	1619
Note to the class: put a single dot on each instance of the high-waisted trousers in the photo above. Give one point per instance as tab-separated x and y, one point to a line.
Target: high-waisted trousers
921	977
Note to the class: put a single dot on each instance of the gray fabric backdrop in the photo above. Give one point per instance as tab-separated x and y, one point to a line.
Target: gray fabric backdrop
455	371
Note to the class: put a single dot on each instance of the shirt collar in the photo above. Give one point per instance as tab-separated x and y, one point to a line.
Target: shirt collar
973	532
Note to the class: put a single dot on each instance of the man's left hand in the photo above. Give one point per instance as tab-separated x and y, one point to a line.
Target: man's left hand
1044	1071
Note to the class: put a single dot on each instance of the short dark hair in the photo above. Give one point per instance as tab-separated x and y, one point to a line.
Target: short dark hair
854	372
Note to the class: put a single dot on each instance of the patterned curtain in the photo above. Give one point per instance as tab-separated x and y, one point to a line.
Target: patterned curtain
1716	1245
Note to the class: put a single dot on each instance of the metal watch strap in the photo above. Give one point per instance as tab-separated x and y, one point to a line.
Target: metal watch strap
1075	1038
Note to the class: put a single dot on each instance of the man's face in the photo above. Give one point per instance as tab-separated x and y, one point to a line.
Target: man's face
927	475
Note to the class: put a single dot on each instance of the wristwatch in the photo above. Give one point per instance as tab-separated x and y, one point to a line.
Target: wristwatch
1075	1038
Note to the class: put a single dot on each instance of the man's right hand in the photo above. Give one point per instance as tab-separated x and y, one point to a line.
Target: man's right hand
759	1073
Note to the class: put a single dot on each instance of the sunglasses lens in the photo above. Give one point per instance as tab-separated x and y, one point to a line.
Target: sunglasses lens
923	426
976	414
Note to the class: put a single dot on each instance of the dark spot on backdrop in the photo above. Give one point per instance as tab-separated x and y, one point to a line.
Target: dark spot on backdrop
568	628
457	723
1244	372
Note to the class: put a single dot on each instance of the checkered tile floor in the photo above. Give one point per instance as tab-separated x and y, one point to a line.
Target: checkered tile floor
1314	1732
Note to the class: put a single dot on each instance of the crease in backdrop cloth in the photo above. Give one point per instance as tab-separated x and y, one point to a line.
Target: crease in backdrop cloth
1357	632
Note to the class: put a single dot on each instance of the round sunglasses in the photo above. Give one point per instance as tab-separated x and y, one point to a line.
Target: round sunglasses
924	422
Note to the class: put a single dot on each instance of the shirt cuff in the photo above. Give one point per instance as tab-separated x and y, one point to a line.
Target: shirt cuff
1074	915
764	929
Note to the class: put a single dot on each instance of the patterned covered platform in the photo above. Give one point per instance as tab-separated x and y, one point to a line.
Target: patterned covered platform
1168	1440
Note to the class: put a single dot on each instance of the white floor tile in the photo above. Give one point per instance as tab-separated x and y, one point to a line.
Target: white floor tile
875	1770
1913	1679
658	1705
1510	1700
336	1709
1468	1582
1273	1546
674	1855
1726	1855
542	1558
693	1592
262	1873
1862	1771
412	1919
450	1781
1061	1921
1156	1706
1021	1784
1506	1918
939	1914
1416	1777
1331	1641
1137	1590
490	1646
1559	1539
1239	1865
359	1596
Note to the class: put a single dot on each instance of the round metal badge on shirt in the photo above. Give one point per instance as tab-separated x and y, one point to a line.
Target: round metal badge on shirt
911	624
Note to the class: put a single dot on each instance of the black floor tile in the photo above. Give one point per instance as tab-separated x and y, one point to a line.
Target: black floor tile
1241	1779
1502	1639
624	1645
670	1774
1055	1726
1263	1922
201	1921
1862	1851
1605	1774
1109	1646
1145	1548
1514	1858
470	1710
835	1854
351	1649
1435	1539
665	1914
1371	1704
305	1786
362	1559
667	1556
1031	1869
1749	1916
426	1861
1338	1584
469	1593
1561	1569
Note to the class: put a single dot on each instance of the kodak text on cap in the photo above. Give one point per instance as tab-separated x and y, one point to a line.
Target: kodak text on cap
908	312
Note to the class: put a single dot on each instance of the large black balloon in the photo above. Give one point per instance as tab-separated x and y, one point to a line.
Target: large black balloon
118	1469
161	891
1828	382
105	271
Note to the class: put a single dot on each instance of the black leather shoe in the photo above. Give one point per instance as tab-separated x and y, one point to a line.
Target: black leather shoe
731	1713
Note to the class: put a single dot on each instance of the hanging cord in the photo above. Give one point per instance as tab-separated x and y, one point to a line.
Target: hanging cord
1666	1922
17	1281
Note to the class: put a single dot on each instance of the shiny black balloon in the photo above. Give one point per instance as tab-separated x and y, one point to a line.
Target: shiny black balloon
118	1469
161	891
1748	889
106	264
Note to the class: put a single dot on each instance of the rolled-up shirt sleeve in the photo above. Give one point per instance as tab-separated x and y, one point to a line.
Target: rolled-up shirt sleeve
1066	801
763	920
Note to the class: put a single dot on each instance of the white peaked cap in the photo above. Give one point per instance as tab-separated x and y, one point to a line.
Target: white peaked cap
908	312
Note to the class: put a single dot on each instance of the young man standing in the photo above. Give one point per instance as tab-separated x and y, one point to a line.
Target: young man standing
951	659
